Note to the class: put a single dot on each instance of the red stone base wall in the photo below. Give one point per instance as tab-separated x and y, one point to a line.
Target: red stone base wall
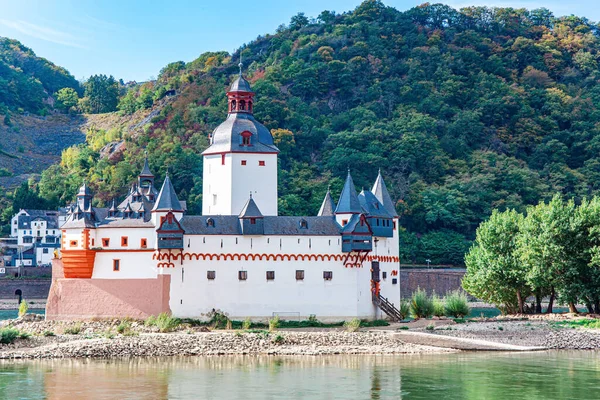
79	299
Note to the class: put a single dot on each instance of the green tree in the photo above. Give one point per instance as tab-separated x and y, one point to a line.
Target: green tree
101	94
66	99
495	273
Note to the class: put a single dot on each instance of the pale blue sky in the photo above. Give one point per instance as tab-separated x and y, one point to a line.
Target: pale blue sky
134	39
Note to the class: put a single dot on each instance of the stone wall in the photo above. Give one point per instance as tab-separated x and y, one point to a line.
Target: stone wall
30	288
440	281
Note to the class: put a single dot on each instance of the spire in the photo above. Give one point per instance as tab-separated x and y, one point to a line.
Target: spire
146	173
250	209
381	193
327	209
241	65
348	203
167	198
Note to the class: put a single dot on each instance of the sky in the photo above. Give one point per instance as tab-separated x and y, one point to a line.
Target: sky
134	39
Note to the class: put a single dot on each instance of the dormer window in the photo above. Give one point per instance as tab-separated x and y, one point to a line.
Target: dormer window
246	135
210	223
303	224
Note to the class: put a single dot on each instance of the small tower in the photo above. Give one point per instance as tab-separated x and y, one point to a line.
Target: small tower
348	204
166	202
241	158
146	182
327	209
84	197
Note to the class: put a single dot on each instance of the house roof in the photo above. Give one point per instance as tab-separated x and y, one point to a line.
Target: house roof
240	85
273	225
371	205
381	193
348	202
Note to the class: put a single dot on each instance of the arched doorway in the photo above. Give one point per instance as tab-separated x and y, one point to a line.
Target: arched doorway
19	293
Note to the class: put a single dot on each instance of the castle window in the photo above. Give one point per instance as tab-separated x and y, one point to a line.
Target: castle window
243	162
93	242
394	225
222	159
116	265
303	224
233	104
344	222
377	221
210	275
242	105
299	274
252	221
394	281
105	242
210	222
261	163
143	243
270	275
246	136
73	243
327	275
124	241
384	275
242	275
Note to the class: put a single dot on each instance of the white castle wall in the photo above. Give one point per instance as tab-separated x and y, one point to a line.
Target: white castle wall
232	183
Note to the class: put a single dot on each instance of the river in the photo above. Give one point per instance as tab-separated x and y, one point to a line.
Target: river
476	376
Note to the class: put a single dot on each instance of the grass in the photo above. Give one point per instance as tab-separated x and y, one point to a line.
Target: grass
457	304
439	308
578	323
48	333
278	339
375	322
421	305
274	323
404	328
404	309
73	330
9	335
124	327
353	325
429	327
164	322
246	324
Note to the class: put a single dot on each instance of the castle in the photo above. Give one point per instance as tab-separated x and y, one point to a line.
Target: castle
146	255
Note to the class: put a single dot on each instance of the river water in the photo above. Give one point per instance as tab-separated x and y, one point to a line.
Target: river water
476	376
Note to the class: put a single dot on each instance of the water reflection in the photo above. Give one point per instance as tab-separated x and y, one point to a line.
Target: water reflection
556	375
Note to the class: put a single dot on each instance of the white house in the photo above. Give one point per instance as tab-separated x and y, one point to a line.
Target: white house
147	255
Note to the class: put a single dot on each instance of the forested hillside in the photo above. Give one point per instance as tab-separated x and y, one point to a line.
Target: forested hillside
463	111
27	82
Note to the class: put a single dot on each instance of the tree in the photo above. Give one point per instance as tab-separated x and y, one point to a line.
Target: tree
66	99
101	94
494	270
298	21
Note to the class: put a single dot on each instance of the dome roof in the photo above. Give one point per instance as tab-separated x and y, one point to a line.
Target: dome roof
240	85
227	137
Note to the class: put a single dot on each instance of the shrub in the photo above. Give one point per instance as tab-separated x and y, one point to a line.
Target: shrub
278	339
439	309
166	323
48	333
404	328
312	318
8	335
246	324
23	307
404	309
220	321
150	321
457	305
353	325
274	323
109	334
73	330
429	327
421	305
124	327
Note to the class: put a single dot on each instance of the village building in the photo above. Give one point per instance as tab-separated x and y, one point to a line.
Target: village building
37	234
146	254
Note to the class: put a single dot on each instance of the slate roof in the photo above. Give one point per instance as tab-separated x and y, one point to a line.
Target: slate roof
167	198
227	136
146	170
381	193
125	223
371	205
348	202
273	225
327	209
250	210
24	221
240	85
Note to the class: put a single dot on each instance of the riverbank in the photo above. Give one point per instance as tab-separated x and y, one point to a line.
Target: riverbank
106	339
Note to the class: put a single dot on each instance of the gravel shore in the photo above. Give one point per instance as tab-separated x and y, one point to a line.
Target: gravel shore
100	339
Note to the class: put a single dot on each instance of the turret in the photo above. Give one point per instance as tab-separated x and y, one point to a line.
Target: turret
348	204
327	209
251	219
166	201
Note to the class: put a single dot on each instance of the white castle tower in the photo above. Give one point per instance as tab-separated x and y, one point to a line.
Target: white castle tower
241	159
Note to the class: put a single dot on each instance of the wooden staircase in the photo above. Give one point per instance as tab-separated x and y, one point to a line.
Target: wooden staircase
387	307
